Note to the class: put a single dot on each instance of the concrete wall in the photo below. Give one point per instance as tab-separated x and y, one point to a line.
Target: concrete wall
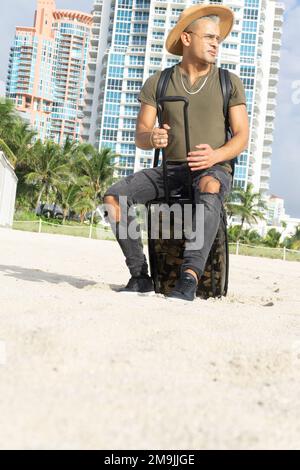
8	188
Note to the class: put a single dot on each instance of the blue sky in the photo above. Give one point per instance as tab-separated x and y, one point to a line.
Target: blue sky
286	155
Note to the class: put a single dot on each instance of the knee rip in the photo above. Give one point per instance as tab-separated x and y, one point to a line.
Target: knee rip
211	185
110	199
112	208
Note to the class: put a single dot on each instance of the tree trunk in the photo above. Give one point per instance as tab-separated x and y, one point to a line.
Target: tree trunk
65	215
40	196
240	231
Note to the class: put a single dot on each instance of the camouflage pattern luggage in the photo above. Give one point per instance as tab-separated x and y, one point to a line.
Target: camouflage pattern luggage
166	255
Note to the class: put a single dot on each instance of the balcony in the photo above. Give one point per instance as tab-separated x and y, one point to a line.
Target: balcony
254	132
89	97
91	74
268	138
255	120
251	171
274	68
277	43
266	162
275	56
271	104
265	174
89	88
267	150
278	20
273	79
95	39
93	51
270	114
272	91
280	6
265	186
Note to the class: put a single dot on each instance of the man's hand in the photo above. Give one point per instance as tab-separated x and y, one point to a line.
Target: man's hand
160	137
203	158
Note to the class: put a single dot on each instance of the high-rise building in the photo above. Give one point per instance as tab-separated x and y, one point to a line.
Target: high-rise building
127	46
47	71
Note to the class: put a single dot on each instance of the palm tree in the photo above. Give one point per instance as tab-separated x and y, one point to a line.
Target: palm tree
49	168
233	231
293	242
21	141
272	238
251	237
71	193
16	136
98	168
8	117
67	196
84	202
7	120
8	152
248	205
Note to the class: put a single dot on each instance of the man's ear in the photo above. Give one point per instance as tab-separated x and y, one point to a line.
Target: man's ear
185	38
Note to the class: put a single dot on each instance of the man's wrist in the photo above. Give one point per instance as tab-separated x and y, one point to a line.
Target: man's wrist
151	139
144	140
219	155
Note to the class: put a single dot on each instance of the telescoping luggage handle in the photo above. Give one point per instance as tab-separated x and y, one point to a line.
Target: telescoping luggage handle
173	99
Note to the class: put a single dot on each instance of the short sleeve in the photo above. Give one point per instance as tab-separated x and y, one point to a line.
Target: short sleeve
148	92
238	95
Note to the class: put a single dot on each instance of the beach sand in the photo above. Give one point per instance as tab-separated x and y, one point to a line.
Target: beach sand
85	367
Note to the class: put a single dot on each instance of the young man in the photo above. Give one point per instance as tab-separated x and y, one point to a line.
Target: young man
196	37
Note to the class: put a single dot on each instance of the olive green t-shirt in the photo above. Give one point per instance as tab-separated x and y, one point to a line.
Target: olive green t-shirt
205	111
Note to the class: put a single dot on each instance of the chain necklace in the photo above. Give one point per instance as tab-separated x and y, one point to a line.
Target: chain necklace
193	92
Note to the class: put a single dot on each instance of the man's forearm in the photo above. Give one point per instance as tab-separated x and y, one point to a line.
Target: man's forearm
143	140
232	148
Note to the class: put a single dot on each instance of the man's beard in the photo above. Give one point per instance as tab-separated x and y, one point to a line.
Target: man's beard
207	61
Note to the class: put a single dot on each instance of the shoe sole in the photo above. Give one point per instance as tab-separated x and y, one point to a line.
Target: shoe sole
137	293
176	299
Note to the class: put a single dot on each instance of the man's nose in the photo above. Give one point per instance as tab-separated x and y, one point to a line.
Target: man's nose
215	43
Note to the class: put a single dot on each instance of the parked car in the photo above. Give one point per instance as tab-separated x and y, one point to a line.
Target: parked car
51	211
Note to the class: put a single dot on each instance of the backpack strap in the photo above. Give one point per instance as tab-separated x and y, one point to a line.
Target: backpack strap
163	82
161	90
226	91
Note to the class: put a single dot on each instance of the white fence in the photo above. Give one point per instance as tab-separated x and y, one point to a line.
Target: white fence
8	188
282	253
101	232
85	230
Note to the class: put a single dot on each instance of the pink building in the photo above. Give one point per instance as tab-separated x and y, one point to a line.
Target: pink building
47	71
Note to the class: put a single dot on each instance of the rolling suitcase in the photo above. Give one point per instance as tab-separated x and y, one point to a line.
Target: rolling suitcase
166	254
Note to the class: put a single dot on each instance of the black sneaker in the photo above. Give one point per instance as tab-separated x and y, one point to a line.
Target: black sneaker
141	284
185	288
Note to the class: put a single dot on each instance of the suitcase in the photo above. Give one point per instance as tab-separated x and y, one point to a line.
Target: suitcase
166	255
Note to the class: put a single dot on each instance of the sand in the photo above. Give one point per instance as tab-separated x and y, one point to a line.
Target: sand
85	367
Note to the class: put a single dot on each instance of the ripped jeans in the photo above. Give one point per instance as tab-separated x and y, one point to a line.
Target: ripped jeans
147	185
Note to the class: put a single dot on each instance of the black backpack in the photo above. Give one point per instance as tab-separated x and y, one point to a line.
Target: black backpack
226	90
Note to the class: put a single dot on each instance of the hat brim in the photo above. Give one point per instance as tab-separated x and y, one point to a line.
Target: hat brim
173	42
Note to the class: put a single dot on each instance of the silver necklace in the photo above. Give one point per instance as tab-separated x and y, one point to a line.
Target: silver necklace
193	92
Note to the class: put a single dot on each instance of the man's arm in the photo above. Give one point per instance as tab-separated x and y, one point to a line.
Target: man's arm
239	123
206	157
147	136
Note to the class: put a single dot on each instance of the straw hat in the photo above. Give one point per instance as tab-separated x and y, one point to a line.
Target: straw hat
173	42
